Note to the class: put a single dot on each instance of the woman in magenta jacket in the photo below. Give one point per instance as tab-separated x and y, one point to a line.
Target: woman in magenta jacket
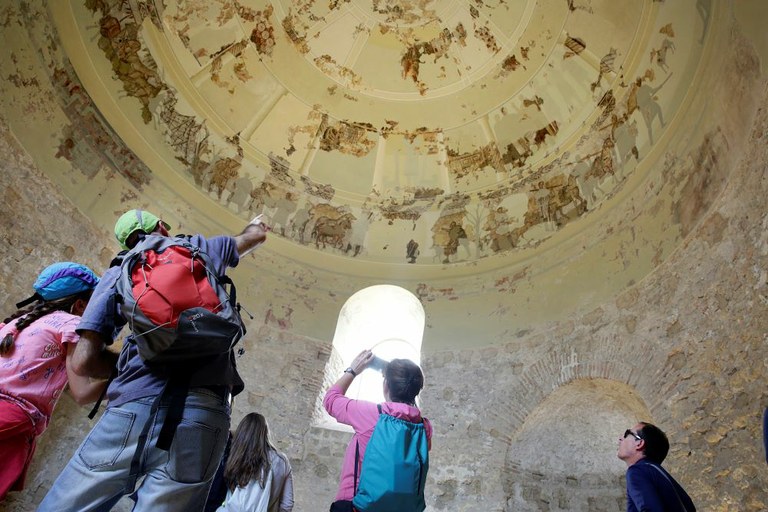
403	380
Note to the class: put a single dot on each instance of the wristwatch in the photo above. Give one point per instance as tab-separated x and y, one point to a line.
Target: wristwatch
350	370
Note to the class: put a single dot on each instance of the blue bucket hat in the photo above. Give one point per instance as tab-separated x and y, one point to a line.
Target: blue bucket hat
60	280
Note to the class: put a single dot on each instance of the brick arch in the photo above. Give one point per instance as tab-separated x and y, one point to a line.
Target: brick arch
607	359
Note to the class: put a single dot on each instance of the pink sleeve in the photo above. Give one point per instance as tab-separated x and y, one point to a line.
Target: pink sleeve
356	413
68	334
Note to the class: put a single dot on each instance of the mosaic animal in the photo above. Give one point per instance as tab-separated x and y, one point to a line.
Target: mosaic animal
331	231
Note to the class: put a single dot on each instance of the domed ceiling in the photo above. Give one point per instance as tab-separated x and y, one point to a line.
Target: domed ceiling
397	131
512	160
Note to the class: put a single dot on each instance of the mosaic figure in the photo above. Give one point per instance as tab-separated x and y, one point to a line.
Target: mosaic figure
606	67
121	46
660	55
455	233
412	251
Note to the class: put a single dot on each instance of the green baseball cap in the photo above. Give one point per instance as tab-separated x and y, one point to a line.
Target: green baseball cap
136	220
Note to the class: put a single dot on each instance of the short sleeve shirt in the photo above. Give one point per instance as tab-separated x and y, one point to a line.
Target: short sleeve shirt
135	379
35	373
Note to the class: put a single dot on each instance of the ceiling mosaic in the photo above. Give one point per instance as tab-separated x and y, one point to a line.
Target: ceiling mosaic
408	131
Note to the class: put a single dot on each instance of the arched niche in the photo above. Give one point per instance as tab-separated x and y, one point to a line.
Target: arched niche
563	457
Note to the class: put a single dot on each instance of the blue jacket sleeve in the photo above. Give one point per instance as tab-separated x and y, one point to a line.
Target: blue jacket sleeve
100	314
221	249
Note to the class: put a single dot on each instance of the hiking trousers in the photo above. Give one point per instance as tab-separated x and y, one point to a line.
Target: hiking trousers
99	473
17	445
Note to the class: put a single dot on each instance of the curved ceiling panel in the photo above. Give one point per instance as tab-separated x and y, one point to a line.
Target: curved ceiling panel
590	155
395	131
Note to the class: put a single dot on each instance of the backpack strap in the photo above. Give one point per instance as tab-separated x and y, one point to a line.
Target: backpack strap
177	392
357	463
178	389
357	455
141	442
674	489
118	259
103	393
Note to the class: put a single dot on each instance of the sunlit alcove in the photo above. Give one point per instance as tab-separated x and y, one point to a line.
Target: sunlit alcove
386	319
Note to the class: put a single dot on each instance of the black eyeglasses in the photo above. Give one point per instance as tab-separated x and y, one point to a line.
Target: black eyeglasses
630	433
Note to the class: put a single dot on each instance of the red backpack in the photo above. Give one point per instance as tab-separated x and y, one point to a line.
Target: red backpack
175	305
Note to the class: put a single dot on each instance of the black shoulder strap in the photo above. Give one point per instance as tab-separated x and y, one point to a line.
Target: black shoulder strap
176	391
357	463
28	301
178	388
118	259
765	433
96	406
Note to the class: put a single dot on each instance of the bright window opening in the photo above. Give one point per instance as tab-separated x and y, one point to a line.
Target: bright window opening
384	318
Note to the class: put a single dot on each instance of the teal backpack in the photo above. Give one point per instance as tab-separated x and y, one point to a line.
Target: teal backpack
394	468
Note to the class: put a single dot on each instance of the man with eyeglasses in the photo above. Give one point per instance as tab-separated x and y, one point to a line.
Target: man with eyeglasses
649	487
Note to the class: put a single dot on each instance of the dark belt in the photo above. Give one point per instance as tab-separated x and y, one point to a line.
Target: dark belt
224	392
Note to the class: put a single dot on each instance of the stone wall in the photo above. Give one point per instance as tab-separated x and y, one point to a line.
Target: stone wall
686	347
38	226
689	342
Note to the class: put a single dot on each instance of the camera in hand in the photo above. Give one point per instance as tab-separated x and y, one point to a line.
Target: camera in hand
378	364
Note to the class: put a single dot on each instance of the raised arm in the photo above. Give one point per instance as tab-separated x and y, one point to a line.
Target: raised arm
254	234
344	409
359	364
